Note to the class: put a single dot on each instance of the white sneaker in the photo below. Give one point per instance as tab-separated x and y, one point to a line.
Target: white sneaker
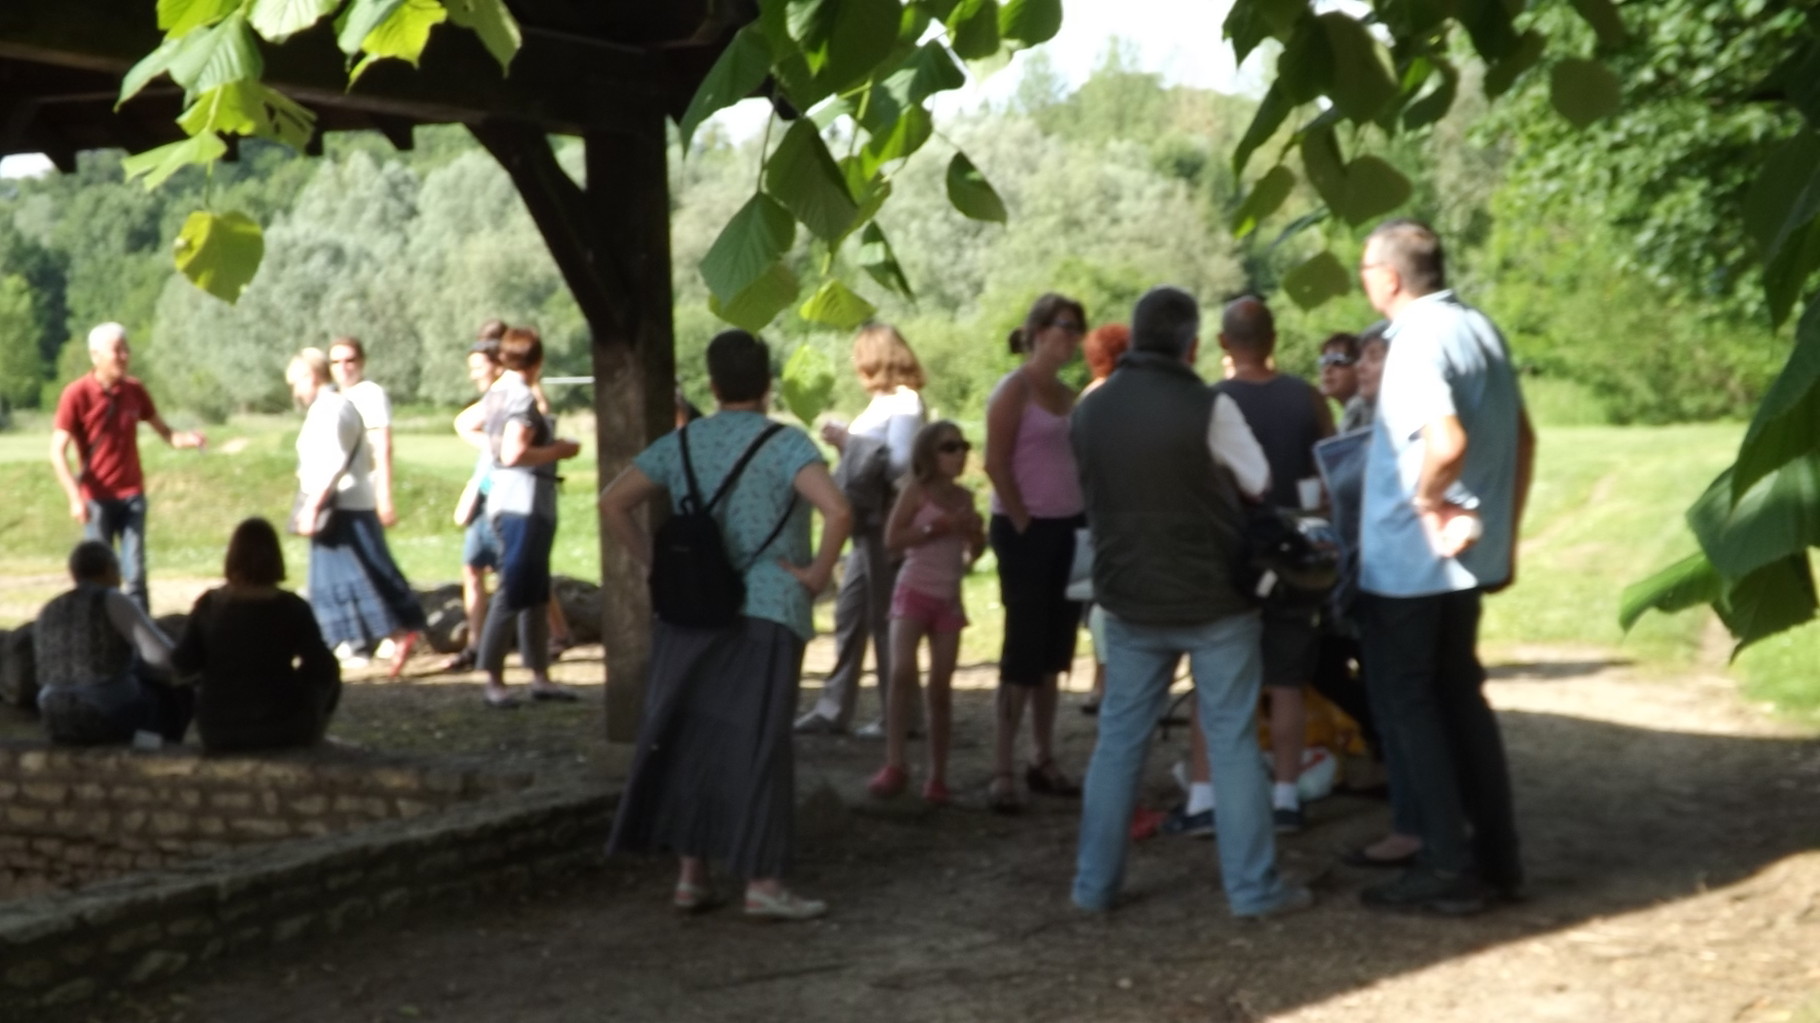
814	723
344	652
785	905
385	649
875	730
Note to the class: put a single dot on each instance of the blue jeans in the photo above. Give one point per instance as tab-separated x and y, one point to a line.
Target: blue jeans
1140	662
123	519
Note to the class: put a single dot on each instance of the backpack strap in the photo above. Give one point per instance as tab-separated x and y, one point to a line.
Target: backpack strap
775	530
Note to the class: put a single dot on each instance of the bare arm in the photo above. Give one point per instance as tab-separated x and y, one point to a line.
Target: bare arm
382	475
60	464
517	452
1526	464
175	438
1323	413
1443	458
619	502
471	425
815	485
1004	413
900	534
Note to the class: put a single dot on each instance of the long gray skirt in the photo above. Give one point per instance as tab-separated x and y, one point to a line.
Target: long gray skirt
714	773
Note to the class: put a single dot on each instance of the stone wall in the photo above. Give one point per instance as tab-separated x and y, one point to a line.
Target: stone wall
69	817
408	844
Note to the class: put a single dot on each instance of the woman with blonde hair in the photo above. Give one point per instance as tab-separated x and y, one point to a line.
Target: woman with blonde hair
875	454
356	590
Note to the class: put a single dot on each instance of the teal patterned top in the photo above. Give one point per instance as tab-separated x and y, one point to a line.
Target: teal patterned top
752	509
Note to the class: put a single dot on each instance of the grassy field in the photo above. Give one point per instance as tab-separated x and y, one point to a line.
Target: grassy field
1606	510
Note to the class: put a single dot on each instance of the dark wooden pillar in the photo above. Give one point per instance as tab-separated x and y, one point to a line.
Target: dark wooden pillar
634	377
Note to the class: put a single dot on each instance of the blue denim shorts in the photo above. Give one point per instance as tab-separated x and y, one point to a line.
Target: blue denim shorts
480	546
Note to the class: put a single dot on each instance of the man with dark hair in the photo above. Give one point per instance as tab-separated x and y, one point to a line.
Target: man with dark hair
99	660
1445	484
1165	463
1287	415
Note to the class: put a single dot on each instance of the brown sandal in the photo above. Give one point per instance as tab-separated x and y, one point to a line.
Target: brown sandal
1048	780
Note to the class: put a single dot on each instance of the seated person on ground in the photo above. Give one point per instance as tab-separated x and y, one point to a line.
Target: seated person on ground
102	664
267	679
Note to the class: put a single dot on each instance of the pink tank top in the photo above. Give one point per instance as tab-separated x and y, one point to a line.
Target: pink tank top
934	567
1043	465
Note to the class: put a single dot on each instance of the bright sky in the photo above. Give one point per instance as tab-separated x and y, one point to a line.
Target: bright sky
1180	39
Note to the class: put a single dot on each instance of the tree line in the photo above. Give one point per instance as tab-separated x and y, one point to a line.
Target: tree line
1112	186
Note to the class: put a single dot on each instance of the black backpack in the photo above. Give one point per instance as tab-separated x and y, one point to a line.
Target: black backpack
694	583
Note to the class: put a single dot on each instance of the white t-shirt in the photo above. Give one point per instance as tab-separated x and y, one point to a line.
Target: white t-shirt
1234	446
371	402
893	418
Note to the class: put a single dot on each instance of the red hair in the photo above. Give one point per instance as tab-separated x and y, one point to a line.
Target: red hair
1103	346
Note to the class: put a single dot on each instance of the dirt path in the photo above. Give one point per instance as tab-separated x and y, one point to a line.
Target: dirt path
1672	834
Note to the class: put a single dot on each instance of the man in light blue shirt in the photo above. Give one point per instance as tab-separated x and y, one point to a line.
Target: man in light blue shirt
1445	483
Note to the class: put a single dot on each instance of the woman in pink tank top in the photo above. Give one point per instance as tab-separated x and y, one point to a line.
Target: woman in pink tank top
1036	508
935	527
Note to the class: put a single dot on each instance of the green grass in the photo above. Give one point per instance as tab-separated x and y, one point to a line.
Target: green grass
1606	511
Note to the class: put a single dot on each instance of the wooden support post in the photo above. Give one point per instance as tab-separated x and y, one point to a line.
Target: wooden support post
634	378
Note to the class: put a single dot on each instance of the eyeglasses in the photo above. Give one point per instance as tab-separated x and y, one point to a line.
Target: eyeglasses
1336	359
1068	325
949	447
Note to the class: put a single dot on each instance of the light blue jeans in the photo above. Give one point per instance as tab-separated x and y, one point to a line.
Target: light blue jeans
122	521
1140	662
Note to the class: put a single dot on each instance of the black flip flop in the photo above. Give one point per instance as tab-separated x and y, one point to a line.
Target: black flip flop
556	695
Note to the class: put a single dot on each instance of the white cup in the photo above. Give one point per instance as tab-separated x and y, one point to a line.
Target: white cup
1309	490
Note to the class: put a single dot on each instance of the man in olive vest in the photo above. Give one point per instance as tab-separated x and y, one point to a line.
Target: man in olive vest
1165	464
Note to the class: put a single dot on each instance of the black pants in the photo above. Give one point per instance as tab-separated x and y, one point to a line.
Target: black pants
1427	688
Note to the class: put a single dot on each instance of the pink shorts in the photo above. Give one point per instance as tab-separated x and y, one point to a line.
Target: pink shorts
935	614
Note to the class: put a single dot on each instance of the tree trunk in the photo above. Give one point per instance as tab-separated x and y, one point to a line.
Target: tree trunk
634	379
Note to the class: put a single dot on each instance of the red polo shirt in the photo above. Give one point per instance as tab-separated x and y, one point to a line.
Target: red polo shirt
105	425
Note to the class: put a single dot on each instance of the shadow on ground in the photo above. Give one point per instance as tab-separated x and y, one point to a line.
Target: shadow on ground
961	915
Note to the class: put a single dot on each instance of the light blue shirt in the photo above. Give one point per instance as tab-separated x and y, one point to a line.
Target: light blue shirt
752	509
1445	359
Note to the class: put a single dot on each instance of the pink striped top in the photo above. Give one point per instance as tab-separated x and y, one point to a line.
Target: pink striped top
934	566
1043	465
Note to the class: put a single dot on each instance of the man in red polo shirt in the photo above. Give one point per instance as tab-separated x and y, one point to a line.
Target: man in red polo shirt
101	412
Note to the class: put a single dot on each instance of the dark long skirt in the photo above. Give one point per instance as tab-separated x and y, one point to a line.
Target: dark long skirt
714	774
356	590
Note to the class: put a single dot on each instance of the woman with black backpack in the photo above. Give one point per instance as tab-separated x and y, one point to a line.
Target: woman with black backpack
731	582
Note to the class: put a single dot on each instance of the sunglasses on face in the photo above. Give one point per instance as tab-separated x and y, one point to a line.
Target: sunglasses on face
1337	359
949	447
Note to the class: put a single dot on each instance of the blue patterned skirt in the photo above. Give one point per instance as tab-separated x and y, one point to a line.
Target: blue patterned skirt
356	590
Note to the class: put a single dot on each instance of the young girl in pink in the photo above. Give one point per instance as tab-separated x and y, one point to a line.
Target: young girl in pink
941	535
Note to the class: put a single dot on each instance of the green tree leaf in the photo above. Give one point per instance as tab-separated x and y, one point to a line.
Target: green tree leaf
493	23
928	70
1362	82
1305	70
1602	15
880	261
863	34
1029	22
906	135
741	68
1787	422
1779	515
1250	22
1265	198
971	193
1583	91
250	108
804	178
806	384
837	306
1271	114
1439	100
973	29
1317	280
1778	596
1523	56
1785	197
749	248
157	165
1373	188
177	17
220	253
1488	24
278	20
1690	582
359	20
1786	275
759	302
228	52
1324	168
152	65
402	36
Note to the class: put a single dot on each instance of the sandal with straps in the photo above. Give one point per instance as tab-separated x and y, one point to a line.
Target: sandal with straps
1047	779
